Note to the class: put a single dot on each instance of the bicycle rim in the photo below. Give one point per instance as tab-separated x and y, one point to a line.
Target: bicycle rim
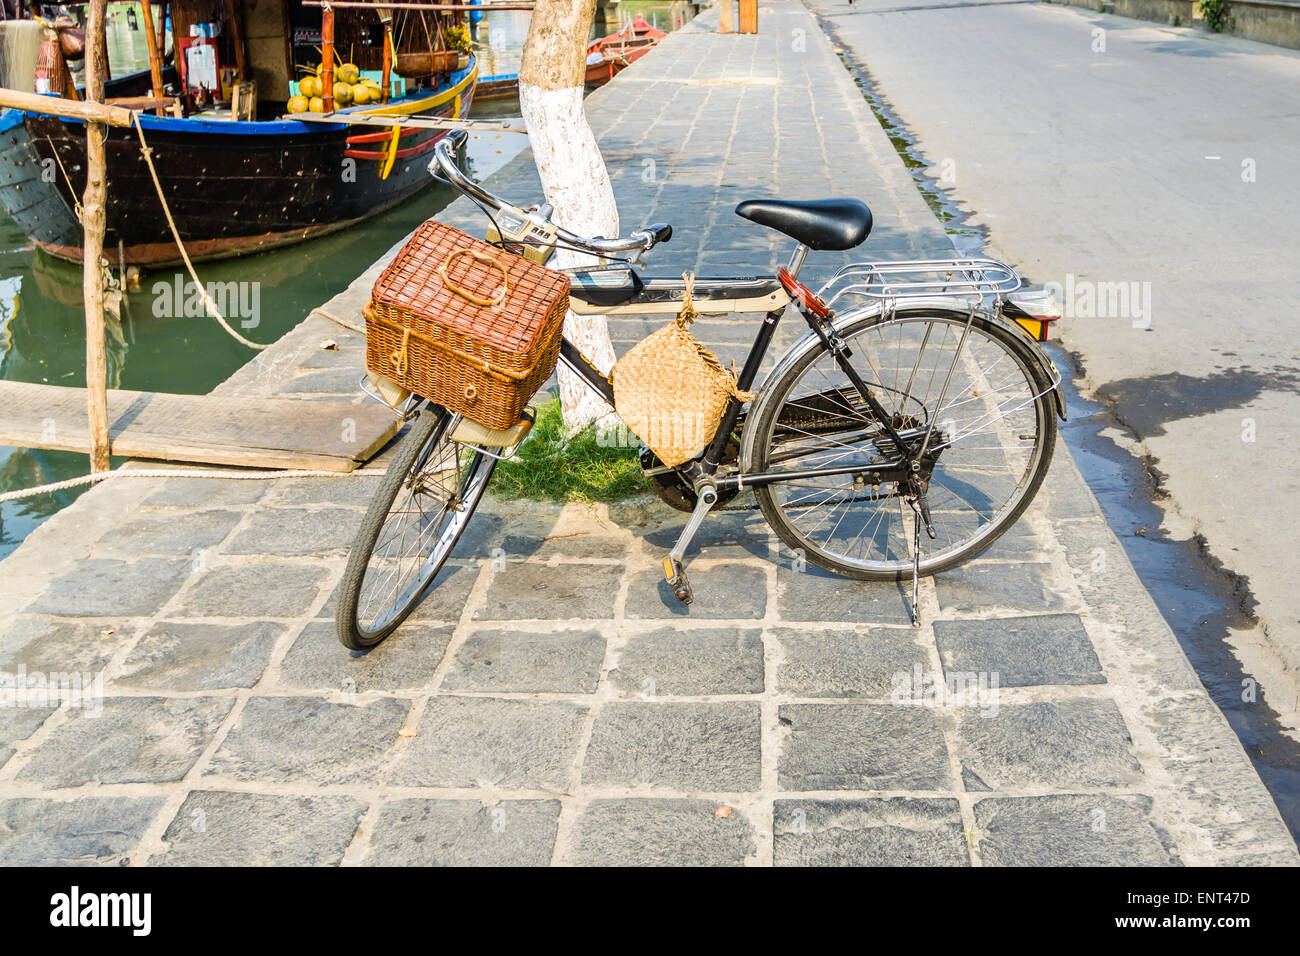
426	517
993	436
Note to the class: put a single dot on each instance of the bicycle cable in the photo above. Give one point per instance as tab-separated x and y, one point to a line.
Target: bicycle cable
505	244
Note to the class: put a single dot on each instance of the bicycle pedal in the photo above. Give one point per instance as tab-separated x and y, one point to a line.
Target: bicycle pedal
675	574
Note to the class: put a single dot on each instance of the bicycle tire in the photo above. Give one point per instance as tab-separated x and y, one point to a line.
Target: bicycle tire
776	394
430	426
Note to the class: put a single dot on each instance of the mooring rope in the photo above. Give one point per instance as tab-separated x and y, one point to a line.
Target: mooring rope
183	473
76	200
208	304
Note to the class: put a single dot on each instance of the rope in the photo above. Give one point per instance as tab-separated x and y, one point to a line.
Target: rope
208	304
184	473
336	320
76	200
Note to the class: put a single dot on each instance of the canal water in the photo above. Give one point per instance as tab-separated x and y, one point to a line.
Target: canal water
42	324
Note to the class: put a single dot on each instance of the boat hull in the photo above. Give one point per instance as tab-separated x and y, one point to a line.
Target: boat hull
232	188
614	63
27	189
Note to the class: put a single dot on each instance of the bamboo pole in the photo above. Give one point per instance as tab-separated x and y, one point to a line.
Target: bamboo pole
155	58
69	83
387	73
162	29
72	109
389	120
386	18
241	67
327	58
92	280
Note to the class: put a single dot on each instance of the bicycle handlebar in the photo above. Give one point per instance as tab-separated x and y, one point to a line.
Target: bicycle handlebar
444	164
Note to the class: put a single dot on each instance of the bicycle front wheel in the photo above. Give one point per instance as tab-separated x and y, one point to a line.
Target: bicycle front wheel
991	442
424	502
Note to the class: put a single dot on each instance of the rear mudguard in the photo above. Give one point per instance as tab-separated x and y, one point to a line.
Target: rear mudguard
1039	362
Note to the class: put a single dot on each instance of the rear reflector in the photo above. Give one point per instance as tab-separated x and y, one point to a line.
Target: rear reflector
1034	310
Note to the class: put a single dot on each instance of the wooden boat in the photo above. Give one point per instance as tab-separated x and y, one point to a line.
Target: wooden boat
504	86
607	56
234	186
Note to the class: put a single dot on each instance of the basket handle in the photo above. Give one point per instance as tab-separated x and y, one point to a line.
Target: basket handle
399	357
465	293
487	368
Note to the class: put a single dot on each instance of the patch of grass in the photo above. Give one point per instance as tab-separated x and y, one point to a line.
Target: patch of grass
551	465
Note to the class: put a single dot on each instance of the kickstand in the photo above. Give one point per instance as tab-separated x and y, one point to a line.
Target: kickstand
674	570
916	562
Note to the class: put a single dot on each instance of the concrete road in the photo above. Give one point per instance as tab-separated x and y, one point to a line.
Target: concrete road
1154	173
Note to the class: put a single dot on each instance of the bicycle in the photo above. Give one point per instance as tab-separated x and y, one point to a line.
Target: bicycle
929	408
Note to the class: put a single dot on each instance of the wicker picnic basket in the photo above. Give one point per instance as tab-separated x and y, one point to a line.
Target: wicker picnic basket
671	391
466	325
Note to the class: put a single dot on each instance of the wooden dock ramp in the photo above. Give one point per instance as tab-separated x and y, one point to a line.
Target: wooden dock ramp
246	432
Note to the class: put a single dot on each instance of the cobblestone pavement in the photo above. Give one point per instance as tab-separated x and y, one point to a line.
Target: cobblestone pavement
549	702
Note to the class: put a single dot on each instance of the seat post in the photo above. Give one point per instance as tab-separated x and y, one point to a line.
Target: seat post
796	260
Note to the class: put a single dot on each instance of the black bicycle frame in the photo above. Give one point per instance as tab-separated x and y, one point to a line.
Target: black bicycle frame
707	466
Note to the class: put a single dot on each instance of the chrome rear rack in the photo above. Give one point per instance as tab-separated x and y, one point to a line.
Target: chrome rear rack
972	279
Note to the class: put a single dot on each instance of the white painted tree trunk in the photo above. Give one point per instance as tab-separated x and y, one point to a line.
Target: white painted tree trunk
572	172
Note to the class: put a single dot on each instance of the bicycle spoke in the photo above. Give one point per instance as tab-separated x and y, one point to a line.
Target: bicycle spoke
427	514
985	442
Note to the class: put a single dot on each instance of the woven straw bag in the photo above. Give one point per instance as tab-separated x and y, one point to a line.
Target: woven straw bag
671	391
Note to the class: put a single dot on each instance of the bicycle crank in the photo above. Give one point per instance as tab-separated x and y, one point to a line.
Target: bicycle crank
674	564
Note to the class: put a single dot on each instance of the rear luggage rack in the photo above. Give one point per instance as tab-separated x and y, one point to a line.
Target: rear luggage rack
972	279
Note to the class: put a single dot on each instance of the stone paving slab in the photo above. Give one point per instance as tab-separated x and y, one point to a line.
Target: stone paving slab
896	831
548	703
221	828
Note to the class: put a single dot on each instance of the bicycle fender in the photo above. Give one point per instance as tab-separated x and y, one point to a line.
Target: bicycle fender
1049	378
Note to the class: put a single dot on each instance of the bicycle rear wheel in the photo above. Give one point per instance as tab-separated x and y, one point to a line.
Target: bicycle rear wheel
992	441
424	502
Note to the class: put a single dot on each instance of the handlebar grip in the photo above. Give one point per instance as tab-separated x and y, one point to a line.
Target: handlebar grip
660	232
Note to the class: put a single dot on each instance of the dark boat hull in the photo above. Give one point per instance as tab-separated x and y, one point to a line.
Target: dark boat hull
27	189
232	188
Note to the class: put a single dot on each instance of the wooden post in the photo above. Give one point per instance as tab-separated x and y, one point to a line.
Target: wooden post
69	83
92	280
232	12
162	29
155	57
386	18
748	16
327	58
726	16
